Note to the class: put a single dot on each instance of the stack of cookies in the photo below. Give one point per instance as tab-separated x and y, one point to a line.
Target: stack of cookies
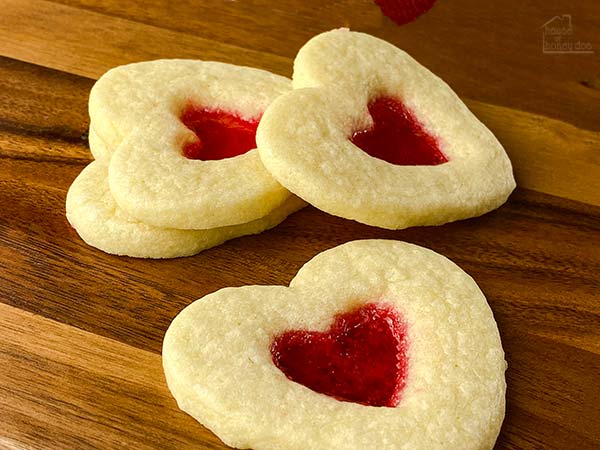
145	195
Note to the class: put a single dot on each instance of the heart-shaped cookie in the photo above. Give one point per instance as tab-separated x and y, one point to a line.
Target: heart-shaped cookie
251	363
178	136
371	135
101	223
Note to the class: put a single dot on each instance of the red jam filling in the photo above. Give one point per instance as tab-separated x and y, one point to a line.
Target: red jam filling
404	11
397	137
221	134
361	358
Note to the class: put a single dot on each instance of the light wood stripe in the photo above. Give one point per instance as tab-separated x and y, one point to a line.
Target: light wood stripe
548	155
86	43
80	390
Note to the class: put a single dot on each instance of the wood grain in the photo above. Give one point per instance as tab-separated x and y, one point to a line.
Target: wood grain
81	331
57	385
548	155
43	113
34	31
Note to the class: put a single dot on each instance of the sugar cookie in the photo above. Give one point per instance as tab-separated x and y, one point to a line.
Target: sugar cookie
371	135
154	124
423	365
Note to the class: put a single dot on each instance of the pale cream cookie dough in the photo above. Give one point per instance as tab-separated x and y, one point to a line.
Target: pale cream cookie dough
304	138
219	364
135	113
98	146
101	223
122	97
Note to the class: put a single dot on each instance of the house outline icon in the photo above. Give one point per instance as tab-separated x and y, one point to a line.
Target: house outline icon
561	26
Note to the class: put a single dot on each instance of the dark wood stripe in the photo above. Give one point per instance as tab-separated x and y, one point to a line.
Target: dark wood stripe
51	133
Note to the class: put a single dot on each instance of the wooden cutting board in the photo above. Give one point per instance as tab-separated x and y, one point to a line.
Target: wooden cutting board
81	331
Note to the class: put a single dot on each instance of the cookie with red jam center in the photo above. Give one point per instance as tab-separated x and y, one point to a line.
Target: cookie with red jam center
179	139
371	135
375	344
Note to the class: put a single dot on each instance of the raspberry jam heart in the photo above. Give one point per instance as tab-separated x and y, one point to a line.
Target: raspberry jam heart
221	134
361	358
397	137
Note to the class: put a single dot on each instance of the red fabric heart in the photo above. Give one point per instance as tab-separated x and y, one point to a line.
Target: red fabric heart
362	358
397	137
221	134
404	11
